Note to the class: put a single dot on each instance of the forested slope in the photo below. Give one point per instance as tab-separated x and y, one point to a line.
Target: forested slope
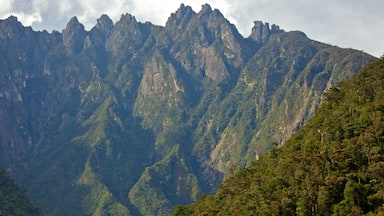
131	118
334	165
13	200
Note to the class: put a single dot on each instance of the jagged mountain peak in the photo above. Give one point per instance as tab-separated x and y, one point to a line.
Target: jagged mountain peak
127	18
74	24
104	24
73	36
261	31
118	99
12	27
186	18
212	21
206	8
127	35
180	18
183	9
101	31
127	23
11	22
10	19
206	12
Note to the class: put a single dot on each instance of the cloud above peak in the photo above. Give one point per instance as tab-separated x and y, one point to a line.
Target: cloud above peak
355	23
54	15
26	16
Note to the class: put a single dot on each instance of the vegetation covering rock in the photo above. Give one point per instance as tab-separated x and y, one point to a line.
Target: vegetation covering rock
130	118
13	200
332	166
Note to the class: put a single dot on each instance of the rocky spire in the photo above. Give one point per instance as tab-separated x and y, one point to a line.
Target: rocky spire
261	31
206	8
101	31
12	26
73	36
125	31
126	19
105	25
181	18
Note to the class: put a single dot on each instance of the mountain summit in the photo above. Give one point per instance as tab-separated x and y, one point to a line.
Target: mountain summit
132	118
261	31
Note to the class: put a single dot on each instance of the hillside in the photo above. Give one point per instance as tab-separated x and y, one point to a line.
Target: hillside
332	166
13	200
130	118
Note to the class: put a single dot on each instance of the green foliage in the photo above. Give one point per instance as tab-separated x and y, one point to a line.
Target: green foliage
164	183
278	90
13	200
332	166
139	118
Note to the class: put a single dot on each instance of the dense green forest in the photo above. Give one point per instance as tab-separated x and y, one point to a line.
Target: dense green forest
13	201
334	165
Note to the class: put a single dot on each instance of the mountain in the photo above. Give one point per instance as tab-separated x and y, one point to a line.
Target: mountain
130	118
331	166
13	200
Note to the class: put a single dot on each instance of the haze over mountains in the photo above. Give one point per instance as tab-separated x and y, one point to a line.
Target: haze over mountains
130	118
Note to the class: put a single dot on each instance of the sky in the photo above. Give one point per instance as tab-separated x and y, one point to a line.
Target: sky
357	24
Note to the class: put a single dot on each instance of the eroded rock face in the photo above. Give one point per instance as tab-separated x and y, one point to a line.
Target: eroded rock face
160	113
22	110
261	32
126	36
73	36
179	20
105	25
159	77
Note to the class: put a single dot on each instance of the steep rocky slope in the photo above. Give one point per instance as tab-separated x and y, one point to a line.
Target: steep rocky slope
133	118
331	166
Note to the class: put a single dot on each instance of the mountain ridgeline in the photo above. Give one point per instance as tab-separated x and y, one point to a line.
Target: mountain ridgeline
130	118
332	166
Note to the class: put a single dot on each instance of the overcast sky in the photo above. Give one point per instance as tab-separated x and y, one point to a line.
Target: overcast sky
357	24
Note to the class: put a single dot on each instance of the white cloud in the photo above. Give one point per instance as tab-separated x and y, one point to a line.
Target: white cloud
29	19
40	5
158	12
6	7
91	11
352	24
26	19
66	7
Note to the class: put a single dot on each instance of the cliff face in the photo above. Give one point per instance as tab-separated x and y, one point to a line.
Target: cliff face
261	32
333	165
130	113
22	110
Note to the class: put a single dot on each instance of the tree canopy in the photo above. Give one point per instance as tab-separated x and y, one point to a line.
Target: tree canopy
334	165
13	201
